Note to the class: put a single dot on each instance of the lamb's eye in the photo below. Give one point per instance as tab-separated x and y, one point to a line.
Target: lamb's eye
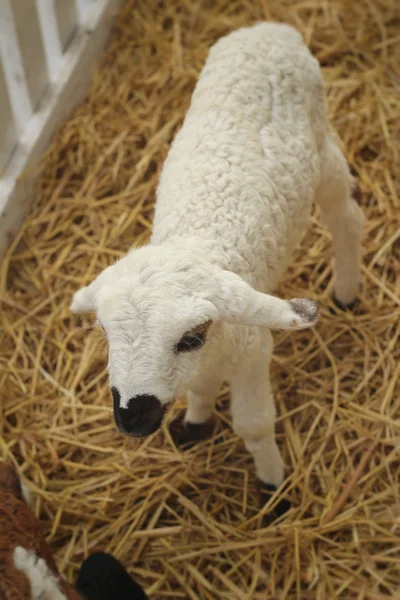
192	340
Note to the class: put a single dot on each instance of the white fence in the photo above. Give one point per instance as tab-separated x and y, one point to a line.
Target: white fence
48	49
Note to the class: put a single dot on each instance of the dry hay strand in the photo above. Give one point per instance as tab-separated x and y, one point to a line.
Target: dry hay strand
185	522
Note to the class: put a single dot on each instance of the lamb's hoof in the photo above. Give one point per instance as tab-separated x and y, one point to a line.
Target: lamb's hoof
267	490
343	306
187	434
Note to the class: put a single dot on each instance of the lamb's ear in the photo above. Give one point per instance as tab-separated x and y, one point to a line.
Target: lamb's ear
83	300
237	302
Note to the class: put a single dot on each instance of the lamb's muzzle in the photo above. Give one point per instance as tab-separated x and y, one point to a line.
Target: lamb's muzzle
142	417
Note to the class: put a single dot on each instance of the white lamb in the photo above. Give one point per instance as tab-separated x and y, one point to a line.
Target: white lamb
190	310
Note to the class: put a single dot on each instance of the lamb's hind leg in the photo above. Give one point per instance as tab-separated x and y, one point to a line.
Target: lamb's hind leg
344	219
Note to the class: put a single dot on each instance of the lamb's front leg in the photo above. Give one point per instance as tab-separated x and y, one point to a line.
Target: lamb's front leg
253	412
201	399
197	423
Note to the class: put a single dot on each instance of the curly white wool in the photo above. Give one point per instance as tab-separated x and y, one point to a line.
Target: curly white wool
233	202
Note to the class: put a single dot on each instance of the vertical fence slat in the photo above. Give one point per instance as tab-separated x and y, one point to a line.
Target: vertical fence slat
67	20
82	8
13	67
50	35
27	27
8	137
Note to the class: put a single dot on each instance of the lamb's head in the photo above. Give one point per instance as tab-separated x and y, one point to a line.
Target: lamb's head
159	308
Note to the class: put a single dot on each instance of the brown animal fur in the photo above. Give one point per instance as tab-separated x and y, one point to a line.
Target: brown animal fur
19	527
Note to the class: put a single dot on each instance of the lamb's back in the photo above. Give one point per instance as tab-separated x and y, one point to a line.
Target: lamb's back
242	171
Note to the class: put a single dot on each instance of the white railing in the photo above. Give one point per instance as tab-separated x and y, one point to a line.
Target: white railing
31	53
48	49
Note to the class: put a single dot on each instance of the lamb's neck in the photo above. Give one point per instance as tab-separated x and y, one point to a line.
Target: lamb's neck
209	247
212	250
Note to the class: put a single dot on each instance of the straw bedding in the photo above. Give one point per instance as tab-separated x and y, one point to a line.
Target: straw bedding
186	522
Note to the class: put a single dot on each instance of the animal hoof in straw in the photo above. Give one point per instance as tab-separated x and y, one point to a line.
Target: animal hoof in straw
184	433
343	306
267	490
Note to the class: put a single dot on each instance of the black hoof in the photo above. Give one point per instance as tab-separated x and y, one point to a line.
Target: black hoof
184	434
267	490
342	306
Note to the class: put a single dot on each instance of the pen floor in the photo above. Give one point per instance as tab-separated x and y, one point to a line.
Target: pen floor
186	522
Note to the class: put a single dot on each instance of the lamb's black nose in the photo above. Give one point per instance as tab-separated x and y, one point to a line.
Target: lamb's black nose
142	417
